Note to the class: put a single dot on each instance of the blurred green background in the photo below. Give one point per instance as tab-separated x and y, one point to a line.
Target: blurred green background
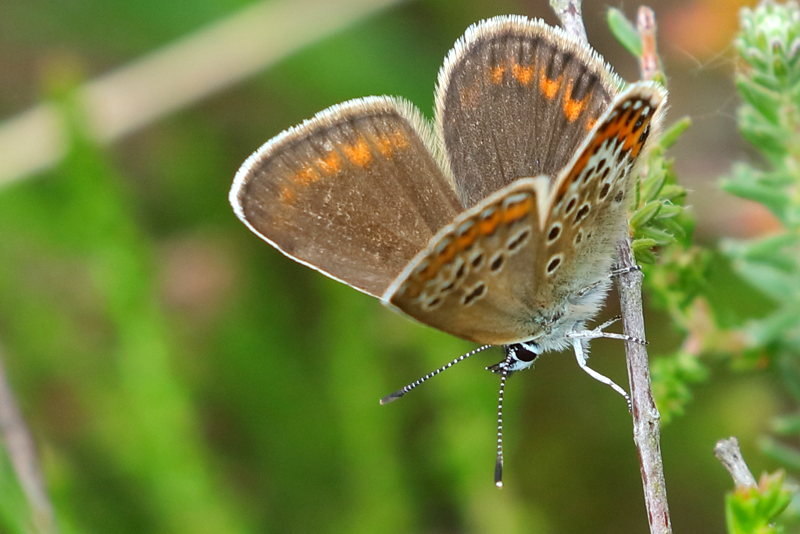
178	375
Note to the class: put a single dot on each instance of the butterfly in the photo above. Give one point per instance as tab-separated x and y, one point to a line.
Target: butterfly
498	223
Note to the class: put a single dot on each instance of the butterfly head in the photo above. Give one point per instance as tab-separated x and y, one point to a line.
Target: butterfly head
519	356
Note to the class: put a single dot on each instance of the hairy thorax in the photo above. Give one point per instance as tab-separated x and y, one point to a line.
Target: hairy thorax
552	324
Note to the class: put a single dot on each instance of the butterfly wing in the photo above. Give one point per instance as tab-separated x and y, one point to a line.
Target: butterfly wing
473	279
355	192
515	97
503	271
586	213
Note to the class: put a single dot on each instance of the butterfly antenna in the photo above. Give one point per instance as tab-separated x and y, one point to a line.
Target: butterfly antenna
400	392
498	465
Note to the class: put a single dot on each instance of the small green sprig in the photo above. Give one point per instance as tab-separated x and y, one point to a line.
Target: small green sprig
658	216
769	117
753	510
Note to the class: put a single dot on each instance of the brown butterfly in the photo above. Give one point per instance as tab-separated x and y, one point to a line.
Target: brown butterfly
498	225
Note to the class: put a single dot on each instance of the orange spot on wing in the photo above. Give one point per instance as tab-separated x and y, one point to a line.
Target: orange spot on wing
385	146
548	87
388	143
496	74
358	153
485	225
573	108
447	254
306	176
331	163
616	128
287	194
489	224
399	139
466	239
524	75
517	211
590	122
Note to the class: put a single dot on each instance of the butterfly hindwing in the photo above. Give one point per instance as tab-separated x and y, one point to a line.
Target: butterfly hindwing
473	279
355	193
588	203
515	98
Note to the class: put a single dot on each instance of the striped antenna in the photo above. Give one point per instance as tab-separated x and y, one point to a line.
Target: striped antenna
498	465
405	389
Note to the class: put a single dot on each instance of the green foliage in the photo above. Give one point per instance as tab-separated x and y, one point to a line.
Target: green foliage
769	117
768	82
754	510
658	215
15	514
661	231
155	444
671	379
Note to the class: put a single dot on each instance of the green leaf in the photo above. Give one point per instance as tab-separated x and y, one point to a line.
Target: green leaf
672	376
764	101
786	425
675	130
624	31
652	185
645	214
669	210
754	510
642	250
774	199
674	226
659	236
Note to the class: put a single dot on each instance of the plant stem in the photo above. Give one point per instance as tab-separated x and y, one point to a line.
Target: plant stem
177	75
646	24
727	451
22	453
646	434
569	13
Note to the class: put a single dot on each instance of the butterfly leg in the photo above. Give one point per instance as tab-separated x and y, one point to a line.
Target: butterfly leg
600	332
580	355
624	270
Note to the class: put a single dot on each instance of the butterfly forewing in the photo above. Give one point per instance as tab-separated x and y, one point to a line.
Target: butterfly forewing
473	279
587	213
355	192
515	98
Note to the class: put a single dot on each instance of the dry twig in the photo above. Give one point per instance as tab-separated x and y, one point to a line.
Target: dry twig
646	431
21	449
